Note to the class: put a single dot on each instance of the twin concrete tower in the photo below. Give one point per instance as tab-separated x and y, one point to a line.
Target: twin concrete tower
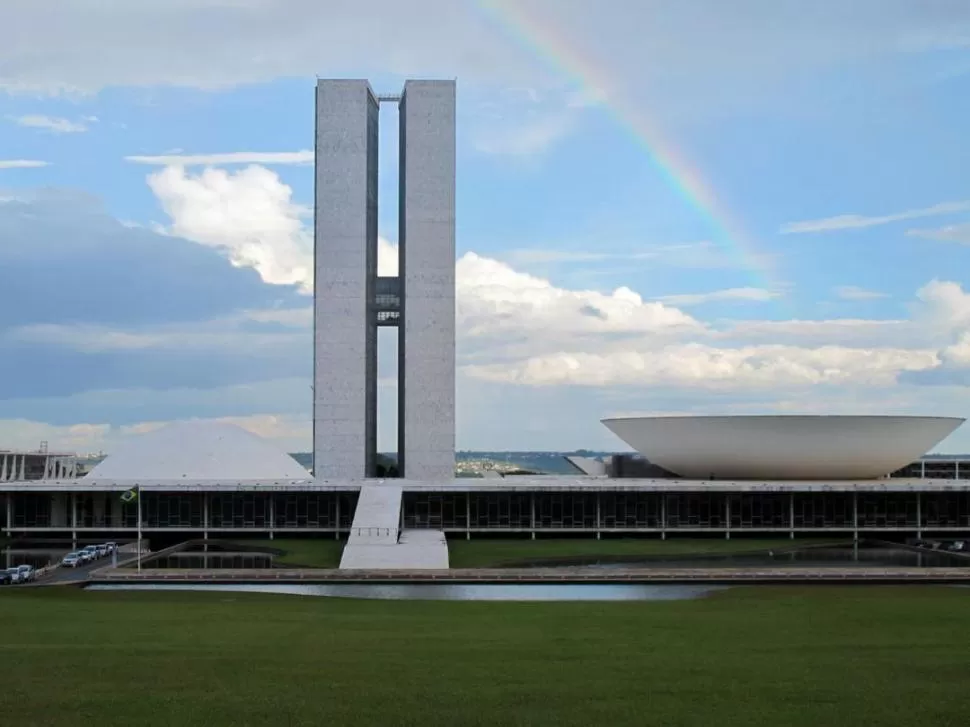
352	300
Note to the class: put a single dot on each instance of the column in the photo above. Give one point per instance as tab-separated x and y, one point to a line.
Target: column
919	517
727	516
791	515
272	514
597	515
855	516
532	513
663	516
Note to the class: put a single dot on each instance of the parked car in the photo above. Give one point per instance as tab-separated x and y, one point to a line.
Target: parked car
102	550
86	555
5	578
14	574
72	560
27	573
92	550
112	546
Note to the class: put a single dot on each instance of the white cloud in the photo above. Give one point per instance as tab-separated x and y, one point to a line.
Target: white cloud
943	304
699	255
288	432
249	214
758	295
848	222
53	124
21	164
950	233
495	300
236	157
854	292
697	365
520	328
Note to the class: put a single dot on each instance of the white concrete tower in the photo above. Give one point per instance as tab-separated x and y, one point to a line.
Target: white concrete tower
351	301
426	348
345	274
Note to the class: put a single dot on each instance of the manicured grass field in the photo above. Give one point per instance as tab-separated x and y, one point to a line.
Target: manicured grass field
313	553
879	656
489	553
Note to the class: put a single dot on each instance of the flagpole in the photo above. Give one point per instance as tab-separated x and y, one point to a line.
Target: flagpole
138	500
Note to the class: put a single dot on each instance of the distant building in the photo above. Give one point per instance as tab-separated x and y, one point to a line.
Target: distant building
39	464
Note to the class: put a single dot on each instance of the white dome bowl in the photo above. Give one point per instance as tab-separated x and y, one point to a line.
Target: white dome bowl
788	447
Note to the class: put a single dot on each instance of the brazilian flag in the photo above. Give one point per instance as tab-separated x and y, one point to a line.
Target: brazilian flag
129	496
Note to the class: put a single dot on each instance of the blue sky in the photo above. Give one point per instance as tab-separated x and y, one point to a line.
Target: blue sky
155	193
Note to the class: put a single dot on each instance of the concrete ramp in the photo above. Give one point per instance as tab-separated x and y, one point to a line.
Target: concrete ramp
376	541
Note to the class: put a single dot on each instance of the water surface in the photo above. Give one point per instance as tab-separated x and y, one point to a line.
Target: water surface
444	591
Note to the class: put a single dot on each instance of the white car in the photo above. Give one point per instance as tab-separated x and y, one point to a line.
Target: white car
26	573
86	555
72	560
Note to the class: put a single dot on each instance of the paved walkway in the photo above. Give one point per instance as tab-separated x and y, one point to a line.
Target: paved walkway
376	541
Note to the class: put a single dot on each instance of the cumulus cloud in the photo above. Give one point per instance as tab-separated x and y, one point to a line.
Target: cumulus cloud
519	328
495	300
943	304
248	214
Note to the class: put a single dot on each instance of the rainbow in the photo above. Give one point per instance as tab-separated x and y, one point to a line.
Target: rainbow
539	37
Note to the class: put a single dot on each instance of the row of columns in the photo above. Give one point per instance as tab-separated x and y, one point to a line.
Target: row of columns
13	466
727	517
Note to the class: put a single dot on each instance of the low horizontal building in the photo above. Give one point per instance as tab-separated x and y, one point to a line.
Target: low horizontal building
215	480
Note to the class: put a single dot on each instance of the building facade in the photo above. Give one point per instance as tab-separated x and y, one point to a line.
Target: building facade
521	506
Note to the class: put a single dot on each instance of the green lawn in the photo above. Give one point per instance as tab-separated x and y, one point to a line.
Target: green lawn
879	656
311	552
489	553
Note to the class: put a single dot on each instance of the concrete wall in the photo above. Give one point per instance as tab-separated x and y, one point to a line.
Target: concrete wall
426	428
345	243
